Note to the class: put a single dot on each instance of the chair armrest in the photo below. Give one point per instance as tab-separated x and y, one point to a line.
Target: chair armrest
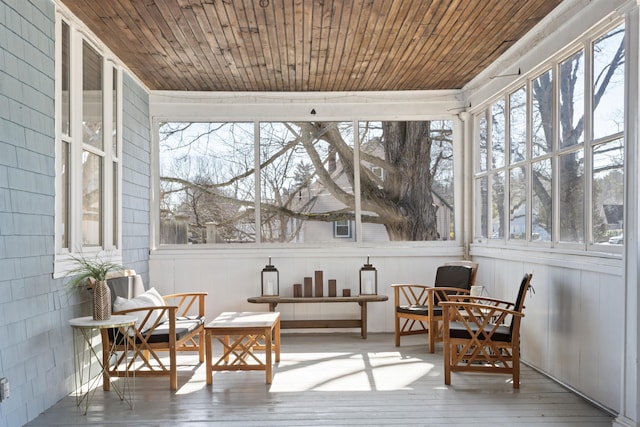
481	300
180	294
450	291
401	285
188	302
150	317
480	314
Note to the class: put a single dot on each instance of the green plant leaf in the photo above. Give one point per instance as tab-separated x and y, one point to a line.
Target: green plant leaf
95	268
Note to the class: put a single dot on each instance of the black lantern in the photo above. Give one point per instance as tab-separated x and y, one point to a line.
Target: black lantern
270	280
368	279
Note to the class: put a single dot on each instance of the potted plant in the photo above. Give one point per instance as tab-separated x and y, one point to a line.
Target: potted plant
93	273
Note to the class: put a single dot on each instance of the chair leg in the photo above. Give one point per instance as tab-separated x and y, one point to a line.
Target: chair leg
516	367
173	369
397	325
447	363
201	339
433	332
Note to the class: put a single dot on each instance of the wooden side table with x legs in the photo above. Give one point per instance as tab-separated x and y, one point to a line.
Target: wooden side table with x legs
241	334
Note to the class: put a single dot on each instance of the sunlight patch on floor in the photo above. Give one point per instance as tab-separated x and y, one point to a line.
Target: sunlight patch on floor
348	372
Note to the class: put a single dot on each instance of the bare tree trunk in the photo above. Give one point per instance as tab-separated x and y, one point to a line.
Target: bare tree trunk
408	181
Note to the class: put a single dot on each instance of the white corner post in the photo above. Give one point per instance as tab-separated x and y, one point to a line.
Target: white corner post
628	414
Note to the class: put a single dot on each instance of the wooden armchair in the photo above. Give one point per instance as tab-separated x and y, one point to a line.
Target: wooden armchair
174	324
416	306
483	334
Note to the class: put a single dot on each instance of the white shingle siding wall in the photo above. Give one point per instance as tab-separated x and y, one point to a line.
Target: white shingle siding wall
35	339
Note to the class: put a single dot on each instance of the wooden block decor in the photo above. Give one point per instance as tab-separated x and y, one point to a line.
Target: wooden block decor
346	292
319	283
332	287
308	287
297	290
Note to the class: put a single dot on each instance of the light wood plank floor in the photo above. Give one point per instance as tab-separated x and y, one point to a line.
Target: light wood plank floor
337	380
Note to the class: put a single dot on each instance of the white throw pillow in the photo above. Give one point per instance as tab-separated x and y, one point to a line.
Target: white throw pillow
150	298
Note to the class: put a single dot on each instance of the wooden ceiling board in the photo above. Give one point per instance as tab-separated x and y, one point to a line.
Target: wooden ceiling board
355	61
270	46
422	55
347	30
309	45
389	22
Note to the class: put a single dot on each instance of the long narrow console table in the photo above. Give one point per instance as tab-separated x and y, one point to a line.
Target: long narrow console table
361	323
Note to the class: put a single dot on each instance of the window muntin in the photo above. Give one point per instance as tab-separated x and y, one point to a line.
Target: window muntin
306	175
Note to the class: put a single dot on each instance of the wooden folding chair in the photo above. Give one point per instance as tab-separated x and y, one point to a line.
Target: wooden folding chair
483	334
416	306
175	327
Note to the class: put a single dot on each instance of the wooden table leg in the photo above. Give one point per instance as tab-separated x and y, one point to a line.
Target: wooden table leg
226	349
209	357
268	332
276	334
363	319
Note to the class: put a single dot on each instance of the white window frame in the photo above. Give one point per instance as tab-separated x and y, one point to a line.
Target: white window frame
111	241
585	44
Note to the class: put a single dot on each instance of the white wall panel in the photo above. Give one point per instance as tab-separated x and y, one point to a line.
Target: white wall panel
572	325
231	276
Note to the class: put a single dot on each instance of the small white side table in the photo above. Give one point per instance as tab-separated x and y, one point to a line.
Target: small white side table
84	350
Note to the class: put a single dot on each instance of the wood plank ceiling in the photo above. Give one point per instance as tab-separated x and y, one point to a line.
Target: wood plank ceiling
308	45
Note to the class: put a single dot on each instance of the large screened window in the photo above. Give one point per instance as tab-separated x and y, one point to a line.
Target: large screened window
299	182
562	180
87	146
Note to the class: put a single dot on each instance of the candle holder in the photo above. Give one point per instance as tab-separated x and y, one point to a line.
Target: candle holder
270	280
368	279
